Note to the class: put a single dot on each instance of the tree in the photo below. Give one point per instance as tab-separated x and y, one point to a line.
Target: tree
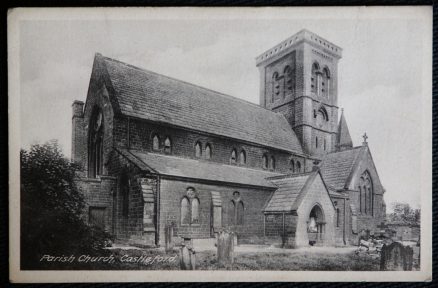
52	208
405	213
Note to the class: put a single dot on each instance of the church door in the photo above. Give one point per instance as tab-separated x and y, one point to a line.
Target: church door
316	226
97	217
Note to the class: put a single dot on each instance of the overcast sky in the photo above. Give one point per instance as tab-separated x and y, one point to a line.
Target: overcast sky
380	73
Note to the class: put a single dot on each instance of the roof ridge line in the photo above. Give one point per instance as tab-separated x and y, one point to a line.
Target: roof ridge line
188	83
200	160
290	175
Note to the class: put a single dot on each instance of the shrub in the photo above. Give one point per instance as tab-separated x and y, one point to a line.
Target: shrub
52	208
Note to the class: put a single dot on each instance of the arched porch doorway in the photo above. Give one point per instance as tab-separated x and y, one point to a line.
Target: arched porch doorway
316	226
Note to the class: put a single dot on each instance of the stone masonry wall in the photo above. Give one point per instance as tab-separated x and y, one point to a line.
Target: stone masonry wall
130	228
368	221
254	199
183	144
316	195
98	193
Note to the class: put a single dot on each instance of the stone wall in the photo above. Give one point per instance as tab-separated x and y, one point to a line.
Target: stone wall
172	192
341	220
316	195
99	193
280	229
368	221
183	142
138	225
98	97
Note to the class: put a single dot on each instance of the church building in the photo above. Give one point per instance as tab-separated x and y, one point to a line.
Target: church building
156	151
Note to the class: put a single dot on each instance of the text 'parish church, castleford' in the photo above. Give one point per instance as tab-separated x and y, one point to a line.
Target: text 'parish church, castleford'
157	151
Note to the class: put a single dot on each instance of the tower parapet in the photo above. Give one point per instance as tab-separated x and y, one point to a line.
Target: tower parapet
304	35
298	78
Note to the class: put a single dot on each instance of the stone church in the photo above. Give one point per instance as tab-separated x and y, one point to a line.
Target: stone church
157	151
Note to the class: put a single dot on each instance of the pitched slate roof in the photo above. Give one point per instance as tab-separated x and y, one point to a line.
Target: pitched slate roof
343	137
289	189
148	95
198	169
336	167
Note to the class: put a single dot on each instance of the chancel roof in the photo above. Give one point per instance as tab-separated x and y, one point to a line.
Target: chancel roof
336	167
151	96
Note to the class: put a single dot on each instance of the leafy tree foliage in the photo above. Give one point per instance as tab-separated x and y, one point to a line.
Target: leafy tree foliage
403	212
52	208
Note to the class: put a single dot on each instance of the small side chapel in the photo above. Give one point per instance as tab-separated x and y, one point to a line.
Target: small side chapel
156	151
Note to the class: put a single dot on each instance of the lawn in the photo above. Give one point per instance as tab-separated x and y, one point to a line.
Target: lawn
299	261
292	260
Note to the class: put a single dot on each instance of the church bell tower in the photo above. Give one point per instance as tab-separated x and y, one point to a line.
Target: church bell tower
298	78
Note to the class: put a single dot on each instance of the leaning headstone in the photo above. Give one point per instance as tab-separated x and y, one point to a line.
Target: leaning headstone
168	236
187	256
396	257
184	258
225	248
192	258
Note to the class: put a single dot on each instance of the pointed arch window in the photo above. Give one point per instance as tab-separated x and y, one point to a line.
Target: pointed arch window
207	151
195	211
325	84
185	211
275	86
321	117
315	79
95	144
242	157
337	217
289	74
366	194
155	143
237	211
272	163
233	158
168	145
190	206
232	212
265	161
292	166
198	150
298	168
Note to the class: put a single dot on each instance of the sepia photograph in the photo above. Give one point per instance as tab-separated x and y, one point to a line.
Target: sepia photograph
220	144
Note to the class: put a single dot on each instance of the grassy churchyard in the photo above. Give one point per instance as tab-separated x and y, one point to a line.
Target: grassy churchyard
245	258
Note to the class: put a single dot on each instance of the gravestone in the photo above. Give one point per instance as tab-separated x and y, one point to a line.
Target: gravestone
187	257
396	257
225	248
168	235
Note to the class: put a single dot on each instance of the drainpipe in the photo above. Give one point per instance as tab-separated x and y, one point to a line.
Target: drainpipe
157	237
345	227
284	234
129	133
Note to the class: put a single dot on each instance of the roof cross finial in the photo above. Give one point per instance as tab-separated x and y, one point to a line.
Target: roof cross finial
365	137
